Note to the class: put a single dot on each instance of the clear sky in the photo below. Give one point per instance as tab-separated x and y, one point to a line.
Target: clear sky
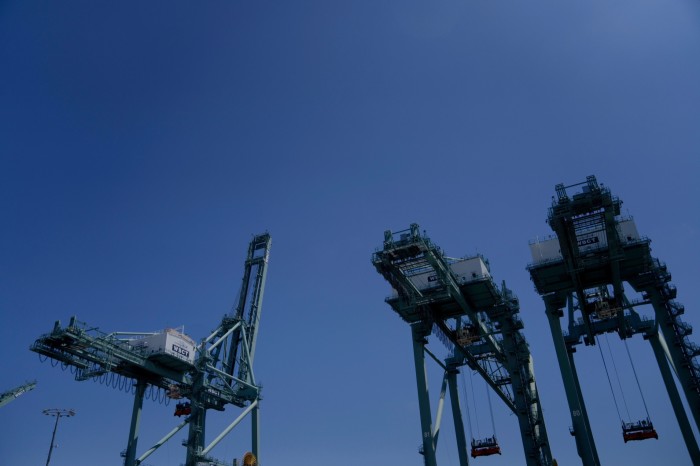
143	143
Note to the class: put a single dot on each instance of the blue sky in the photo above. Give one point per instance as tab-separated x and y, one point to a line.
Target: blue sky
143	143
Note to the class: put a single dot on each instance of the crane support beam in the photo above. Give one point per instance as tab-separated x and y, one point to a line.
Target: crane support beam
162	441
228	429
676	402
255	431
457	418
426	420
674	331
130	459
440	409
579	416
473	362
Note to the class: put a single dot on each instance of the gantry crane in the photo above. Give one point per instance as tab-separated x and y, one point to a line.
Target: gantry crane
584	269
458	300
212	374
11	395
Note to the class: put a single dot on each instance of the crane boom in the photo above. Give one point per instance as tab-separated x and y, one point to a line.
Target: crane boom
212	374
11	395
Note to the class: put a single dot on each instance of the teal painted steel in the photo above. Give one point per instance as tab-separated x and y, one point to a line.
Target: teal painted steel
130	458
208	380
599	251
457	418
458	301
585	444
12	395
676	402
426	422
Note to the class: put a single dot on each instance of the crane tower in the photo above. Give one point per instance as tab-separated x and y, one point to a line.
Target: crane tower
600	270
212	374
458	300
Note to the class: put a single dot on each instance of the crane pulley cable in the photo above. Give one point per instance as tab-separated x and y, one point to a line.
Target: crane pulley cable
634	371
617	408
486	446
617	375
466	404
488	397
476	411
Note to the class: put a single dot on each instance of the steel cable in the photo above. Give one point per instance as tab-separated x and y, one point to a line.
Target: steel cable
609	382
637	379
619	382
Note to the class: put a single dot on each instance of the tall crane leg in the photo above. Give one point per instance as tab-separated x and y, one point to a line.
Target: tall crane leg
675	355
579	418
457	418
130	459
255	436
678	408
423	399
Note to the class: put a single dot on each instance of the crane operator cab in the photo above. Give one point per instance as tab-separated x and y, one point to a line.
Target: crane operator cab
485	447
640	430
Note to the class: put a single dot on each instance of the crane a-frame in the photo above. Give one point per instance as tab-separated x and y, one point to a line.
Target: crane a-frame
458	300
212	374
584	269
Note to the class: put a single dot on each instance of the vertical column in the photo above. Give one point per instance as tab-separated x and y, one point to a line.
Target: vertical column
457	417
683	422
584	410
419	341
198	420
530	419
255	422
675	355
130	459
579	419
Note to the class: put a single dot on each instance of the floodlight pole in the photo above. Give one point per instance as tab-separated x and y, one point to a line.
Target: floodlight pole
57	413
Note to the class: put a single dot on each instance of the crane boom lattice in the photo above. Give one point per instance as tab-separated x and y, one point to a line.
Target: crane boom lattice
212	374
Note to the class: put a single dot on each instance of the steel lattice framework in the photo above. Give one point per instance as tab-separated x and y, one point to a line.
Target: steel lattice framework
458	300
584	269
11	395
221	373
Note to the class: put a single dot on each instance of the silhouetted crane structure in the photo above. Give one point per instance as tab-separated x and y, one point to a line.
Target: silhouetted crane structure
458	300
12	395
600	269
212	374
